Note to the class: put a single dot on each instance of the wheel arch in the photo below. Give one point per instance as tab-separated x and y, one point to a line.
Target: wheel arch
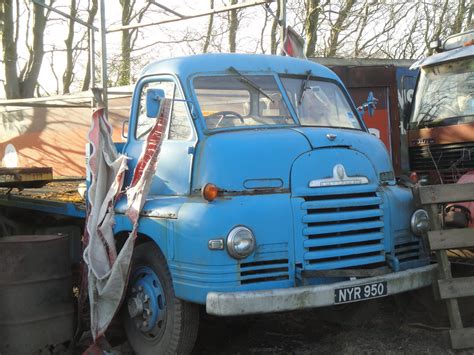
142	238
157	230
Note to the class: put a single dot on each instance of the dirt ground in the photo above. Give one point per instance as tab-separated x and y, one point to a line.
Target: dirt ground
411	324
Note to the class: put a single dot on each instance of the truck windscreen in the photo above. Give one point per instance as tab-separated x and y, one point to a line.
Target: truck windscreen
236	101
320	103
445	95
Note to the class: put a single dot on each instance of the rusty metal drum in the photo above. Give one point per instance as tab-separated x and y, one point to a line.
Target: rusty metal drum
36	299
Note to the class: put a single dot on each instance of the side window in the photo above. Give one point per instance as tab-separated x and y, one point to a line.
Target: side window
145	123
180	127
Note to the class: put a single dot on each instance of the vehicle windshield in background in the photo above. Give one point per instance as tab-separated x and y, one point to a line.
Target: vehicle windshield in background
238	101
445	95
320	103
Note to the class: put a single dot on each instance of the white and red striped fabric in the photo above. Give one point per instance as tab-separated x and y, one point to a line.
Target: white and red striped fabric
108	271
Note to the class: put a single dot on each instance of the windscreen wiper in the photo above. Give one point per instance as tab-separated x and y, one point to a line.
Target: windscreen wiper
303	87
250	83
426	119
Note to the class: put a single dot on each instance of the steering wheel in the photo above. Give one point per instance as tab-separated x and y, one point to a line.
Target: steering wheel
223	114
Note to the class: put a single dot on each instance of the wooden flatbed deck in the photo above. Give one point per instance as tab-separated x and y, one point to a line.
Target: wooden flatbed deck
25	177
56	197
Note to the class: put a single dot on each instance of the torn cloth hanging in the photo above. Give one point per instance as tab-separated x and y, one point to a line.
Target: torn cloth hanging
108	272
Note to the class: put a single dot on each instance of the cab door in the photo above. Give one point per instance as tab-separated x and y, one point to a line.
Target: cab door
173	173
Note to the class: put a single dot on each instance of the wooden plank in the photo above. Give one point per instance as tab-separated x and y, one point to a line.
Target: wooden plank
446	193
452	305
25	177
462	338
458	287
435	221
451	238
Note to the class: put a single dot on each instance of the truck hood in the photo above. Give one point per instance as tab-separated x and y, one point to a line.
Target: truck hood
247	160
363	142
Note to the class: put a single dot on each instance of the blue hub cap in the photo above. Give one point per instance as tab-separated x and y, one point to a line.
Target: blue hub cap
146	302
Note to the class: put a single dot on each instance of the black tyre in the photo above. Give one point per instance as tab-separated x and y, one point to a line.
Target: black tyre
155	321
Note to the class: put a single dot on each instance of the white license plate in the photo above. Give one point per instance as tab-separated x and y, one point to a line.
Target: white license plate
361	292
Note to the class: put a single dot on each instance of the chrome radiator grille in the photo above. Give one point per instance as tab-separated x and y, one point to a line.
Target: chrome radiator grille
343	231
264	271
409	250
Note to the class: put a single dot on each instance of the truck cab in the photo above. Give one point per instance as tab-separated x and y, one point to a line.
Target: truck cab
269	195
441	125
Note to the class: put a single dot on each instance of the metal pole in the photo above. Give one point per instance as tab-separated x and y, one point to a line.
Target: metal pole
103	54
92	67
167	9
282	21
50	8
181	17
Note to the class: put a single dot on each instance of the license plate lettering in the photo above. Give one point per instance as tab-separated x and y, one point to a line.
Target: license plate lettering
361	292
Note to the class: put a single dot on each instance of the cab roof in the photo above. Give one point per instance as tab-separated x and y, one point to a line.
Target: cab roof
219	62
443	57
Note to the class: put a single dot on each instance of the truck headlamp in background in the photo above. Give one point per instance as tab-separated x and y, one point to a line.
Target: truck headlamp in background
240	242
420	222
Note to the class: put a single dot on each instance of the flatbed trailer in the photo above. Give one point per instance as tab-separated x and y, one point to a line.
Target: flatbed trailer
57	197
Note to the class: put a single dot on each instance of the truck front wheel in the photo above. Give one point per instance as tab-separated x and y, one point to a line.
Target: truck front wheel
155	321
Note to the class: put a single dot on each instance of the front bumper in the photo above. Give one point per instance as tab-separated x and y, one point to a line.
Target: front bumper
288	299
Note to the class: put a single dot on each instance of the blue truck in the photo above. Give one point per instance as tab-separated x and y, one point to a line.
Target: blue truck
270	195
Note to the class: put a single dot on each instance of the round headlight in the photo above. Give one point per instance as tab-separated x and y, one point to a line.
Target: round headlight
420	222
240	242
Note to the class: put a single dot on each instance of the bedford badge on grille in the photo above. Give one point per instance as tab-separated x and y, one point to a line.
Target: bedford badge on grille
339	177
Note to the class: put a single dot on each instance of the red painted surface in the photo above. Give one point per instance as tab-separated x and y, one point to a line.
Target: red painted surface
380	121
467	178
55	137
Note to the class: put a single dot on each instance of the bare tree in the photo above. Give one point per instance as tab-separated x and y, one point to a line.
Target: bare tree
10	55
384	29
262	33
68	72
339	25
129	36
459	17
207	42
92	12
124	70
469	23
313	11
435	21
233	27
274	31
361	24
22	83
